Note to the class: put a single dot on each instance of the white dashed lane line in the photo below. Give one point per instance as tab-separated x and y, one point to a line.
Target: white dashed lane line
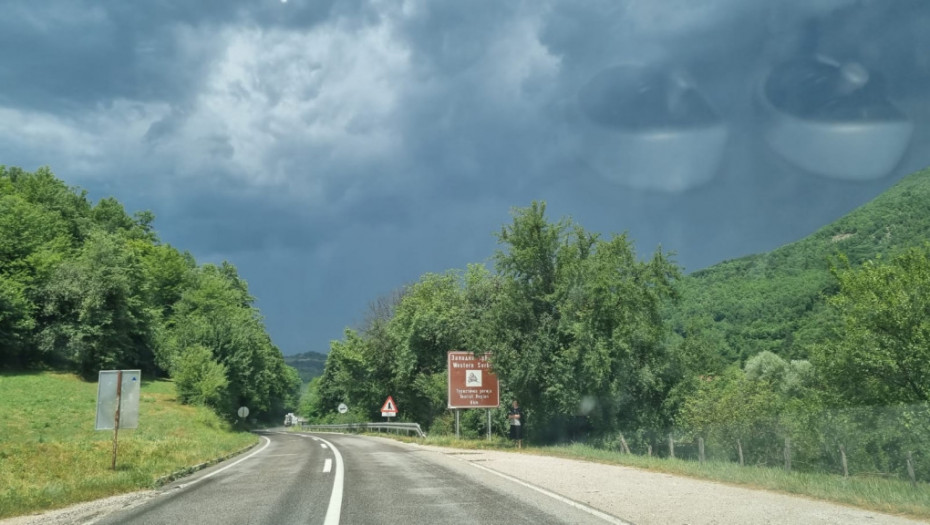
328	465
334	510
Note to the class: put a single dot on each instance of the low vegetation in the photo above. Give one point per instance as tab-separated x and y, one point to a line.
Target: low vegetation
52	457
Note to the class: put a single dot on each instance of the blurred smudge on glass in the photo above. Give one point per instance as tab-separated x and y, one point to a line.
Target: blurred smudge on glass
650	128
832	118
587	405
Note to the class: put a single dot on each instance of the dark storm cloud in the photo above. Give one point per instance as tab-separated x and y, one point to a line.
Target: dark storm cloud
478	80
336	150
63	55
232	224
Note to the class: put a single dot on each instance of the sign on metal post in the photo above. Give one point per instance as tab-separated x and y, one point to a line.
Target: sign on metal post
389	409
472	383
118	402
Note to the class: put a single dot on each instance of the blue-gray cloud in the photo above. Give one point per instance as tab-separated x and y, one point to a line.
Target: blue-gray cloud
335	150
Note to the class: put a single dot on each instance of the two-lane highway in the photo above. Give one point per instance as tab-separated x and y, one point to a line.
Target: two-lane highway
330	479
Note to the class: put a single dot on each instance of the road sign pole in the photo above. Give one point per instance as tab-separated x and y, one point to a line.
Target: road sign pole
489	424
119	400
457	423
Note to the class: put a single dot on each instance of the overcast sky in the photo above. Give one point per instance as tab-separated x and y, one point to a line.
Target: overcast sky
336	150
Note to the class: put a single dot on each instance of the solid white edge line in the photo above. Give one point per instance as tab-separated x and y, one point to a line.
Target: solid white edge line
580	506
334	510
328	465
231	465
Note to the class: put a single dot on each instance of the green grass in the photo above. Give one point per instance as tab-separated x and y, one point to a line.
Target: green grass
891	496
52	457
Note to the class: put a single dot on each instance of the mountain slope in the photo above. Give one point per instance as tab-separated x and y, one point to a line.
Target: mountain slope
776	301
308	364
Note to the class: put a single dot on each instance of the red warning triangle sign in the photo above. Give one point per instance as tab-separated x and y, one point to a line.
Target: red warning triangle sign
389	406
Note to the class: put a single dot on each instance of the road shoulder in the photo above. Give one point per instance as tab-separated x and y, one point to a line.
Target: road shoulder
645	497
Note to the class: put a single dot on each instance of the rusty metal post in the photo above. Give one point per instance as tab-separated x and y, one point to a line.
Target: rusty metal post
119	402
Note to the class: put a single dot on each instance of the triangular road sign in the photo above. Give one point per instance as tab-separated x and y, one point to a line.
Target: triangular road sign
389	406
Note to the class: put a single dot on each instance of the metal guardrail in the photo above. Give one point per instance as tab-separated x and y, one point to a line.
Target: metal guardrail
407	428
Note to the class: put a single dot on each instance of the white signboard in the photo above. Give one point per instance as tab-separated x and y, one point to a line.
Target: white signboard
128	395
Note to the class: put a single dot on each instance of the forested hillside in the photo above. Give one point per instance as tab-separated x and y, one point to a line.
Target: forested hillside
776	301
822	343
308	364
85	287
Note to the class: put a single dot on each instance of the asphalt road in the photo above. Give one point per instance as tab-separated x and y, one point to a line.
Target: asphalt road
334	479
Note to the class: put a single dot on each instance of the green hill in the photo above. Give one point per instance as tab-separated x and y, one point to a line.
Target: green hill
87	287
776	301
52	457
308	364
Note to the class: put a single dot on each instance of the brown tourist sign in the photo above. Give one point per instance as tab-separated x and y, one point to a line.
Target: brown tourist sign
472	384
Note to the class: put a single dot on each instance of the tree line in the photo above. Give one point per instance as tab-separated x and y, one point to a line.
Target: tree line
573	322
86	287
590	338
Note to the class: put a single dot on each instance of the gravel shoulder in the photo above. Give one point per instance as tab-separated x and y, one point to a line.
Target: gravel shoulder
643	498
84	513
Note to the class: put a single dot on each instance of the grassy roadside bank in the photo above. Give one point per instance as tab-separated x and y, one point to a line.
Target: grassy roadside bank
52	457
890	496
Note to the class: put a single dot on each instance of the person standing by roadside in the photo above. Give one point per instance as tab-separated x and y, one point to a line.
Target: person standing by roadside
516	423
